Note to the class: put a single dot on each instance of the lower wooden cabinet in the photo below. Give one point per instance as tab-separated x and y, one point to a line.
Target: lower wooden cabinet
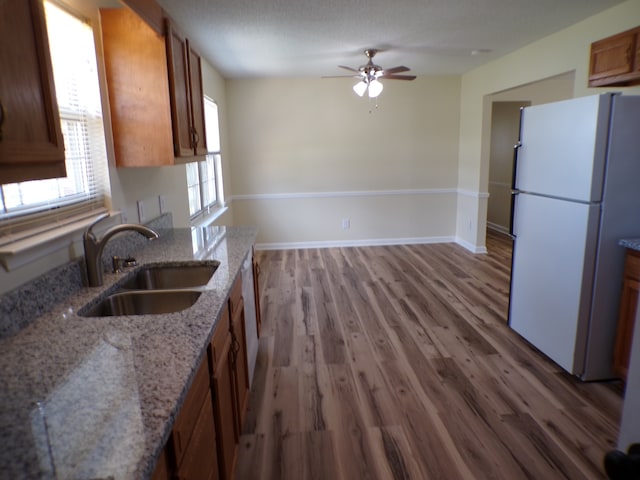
627	313
240	366
162	470
191	449
200	460
204	439
222	386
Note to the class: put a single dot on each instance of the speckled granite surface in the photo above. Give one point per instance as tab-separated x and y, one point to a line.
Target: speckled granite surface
89	398
23	305
632	243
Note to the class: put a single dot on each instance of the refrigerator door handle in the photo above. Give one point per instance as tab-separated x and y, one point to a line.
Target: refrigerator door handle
514	190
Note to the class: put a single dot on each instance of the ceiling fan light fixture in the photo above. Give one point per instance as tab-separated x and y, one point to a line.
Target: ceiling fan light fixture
360	88
375	88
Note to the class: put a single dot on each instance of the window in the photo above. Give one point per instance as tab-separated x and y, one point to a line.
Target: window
204	179
30	207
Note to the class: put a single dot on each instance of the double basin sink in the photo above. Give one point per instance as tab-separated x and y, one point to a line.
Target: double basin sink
153	290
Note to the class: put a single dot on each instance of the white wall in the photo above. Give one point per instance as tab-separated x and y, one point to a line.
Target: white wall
564	51
308	153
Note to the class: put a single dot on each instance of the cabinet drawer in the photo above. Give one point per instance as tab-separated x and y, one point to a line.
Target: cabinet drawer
200	462
188	417
235	295
632	264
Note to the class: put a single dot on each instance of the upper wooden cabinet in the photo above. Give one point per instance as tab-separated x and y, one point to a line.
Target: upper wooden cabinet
615	60
31	142
138	86
155	89
150	11
187	102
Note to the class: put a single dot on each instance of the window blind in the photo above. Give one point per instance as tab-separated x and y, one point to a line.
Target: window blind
30	208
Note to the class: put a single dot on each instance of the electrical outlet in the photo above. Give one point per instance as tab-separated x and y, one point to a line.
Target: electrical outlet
141	211
162	200
346	224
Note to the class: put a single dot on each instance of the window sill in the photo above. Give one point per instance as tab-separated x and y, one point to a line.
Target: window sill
207	220
18	252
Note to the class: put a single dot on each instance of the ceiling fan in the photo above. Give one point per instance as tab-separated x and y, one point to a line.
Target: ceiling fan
370	75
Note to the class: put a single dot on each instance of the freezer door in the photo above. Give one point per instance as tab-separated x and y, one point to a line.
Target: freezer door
564	148
552	276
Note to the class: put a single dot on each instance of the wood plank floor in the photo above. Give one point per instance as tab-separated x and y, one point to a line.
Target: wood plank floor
396	363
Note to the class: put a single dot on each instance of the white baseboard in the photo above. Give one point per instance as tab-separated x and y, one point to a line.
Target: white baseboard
375	242
498	228
470	246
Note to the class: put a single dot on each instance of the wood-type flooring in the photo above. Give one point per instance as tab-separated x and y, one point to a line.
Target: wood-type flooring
396	362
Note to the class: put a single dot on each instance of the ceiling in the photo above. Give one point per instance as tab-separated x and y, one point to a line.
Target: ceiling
275	38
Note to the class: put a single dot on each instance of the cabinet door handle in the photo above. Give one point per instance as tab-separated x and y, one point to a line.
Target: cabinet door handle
2	117
235	348
195	138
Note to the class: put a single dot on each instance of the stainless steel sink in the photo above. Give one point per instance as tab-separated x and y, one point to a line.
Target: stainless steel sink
143	303
171	277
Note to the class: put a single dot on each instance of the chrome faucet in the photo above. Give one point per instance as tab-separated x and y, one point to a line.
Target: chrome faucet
93	248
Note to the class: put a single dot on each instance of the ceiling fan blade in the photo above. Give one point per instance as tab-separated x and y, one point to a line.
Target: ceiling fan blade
341	76
349	68
399	77
396	70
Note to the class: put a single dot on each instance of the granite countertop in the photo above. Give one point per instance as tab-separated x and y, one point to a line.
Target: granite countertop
89	398
632	243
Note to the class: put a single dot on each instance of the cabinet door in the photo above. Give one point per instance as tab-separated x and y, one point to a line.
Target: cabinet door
31	142
187	419
136	69
197	102
240	366
627	314
200	461
612	56
626	320
224	409
162	471
178	64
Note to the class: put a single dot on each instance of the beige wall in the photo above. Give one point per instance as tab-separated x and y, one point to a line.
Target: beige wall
564	51
308	153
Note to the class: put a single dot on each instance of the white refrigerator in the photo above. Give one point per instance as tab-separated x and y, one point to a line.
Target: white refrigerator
576	192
